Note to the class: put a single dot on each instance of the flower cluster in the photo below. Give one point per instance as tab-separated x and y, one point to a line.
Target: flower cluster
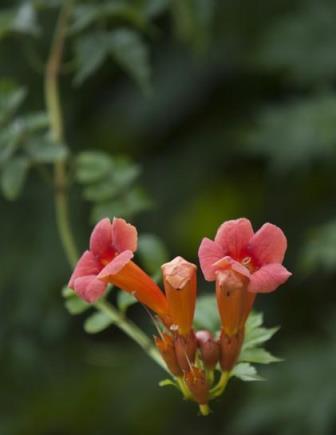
240	262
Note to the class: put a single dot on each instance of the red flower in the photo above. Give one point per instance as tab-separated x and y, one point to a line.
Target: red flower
258	257
109	261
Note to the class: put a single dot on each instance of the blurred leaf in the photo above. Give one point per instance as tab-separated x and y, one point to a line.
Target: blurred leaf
206	315
91	52
319	250
258	355
75	305
11	97
13	176
44	150
25	20
67	292
92	166
152	252
257	336
125	300
297	133
131	53
246	372
97	322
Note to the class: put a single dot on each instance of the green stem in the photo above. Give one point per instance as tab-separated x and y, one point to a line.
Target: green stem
52	99
221	385
54	109
132	331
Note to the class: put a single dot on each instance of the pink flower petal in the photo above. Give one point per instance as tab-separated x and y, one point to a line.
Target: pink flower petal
228	262
86	265
101	238
89	288
116	264
233	236
268	278
209	252
268	245
124	235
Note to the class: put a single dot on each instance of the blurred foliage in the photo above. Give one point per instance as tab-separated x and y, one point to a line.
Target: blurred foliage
238	118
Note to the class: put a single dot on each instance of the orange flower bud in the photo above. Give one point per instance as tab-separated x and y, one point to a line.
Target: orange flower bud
179	278
196	381
185	348
209	349
230	346
232	300
165	345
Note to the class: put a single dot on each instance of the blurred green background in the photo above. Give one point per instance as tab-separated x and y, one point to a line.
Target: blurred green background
240	120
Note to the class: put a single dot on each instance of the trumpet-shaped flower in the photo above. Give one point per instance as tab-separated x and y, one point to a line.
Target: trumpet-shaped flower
255	256
109	261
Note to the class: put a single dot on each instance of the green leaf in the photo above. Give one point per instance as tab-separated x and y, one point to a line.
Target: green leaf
13	176
43	150
97	322
257	336
168	383
125	300
131	53
246	372
25	20
67	292
254	320
90	52
75	305
258	355
206	315
11	97
92	166
152	252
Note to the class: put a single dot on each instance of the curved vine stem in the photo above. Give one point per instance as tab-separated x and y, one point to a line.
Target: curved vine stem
54	109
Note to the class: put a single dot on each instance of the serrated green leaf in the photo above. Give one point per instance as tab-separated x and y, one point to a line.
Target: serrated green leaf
246	372
92	166
131	53
206	315
125	300
254	320
42	150
258	336
75	305
13	176
258	355
97	322
152	252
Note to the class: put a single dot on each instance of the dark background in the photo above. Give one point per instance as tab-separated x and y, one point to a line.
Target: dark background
241	122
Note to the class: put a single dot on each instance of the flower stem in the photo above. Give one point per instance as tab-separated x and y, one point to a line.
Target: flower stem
54	109
204	409
131	330
52	100
221	385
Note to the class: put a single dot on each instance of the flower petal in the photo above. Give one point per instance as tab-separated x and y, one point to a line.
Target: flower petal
86	265
233	236
209	252
89	288
116	264
268	245
124	235
268	278
227	262
101	238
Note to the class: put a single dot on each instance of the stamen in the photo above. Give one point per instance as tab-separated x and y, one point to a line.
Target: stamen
246	261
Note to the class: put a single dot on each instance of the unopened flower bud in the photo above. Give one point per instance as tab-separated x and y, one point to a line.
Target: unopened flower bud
185	347
195	379
230	349
165	345
209	349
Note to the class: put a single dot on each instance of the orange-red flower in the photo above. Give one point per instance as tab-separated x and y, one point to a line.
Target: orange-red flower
179	278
